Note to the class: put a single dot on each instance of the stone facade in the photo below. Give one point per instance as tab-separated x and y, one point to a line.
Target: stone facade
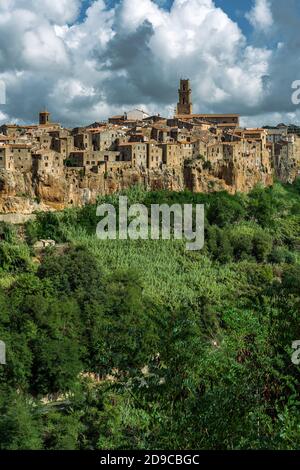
184	105
286	158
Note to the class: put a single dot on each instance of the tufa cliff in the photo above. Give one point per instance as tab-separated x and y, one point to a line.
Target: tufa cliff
26	193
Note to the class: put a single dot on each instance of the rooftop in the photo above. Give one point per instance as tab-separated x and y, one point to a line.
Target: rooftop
190	116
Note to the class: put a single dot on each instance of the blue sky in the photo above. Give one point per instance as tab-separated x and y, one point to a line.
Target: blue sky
85	64
236	10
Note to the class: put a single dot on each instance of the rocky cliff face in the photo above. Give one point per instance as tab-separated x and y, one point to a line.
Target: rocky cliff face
226	176
287	170
23	193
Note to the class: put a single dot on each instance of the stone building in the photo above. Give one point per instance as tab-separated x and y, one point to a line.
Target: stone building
77	159
136	115
4	139
162	133
215	152
136	152
184	105
129	118
154	155
47	162
13	131
6	158
45	141
186	151
22	157
44	118
105	139
63	145
286	158
171	153
275	135
200	147
223	121
83	141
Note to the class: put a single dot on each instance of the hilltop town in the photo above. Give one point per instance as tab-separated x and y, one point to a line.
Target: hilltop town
48	166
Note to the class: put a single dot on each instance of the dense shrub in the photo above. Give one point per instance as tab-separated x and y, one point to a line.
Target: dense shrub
14	258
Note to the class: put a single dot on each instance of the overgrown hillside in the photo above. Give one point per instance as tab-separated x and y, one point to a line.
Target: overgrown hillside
142	344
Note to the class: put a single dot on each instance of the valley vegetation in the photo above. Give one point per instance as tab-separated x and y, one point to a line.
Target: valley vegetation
144	345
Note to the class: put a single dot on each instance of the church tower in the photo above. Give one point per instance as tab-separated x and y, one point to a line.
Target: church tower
44	118
185	105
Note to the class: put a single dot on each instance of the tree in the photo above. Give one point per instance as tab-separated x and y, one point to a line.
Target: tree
262	246
19	426
224	209
261	206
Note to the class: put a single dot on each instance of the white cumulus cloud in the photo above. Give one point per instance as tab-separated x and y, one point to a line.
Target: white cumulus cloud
133	55
260	16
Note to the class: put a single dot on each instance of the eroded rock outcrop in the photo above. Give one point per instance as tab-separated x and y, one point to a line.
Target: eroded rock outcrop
25	193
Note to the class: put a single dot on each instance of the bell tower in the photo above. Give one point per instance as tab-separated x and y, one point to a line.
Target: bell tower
185	105
44	118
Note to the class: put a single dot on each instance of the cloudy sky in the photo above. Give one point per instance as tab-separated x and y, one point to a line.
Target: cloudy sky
86	60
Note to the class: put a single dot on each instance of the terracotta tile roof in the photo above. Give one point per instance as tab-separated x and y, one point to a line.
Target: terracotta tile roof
180	116
126	144
117	117
20	146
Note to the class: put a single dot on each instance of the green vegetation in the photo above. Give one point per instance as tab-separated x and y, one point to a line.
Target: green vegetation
144	345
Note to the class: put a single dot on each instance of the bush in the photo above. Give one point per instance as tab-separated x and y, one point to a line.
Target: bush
219	244
207	165
15	258
281	254
261	207
242	245
262	246
7	232
224	209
